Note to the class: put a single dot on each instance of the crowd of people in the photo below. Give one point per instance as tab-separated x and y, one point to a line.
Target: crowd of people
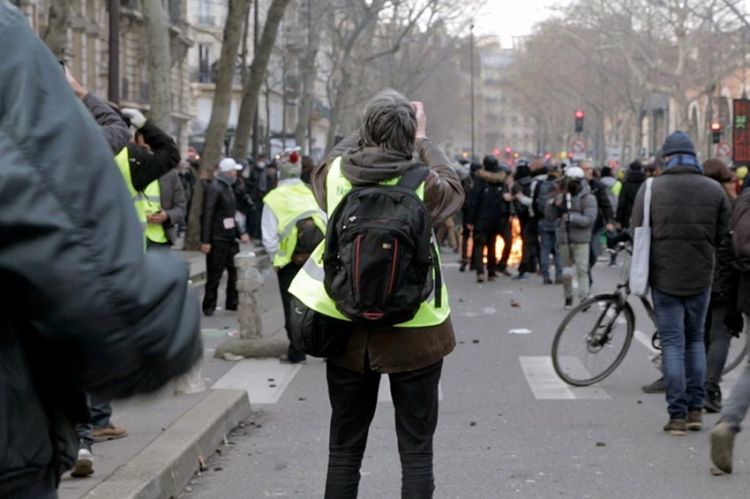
101	305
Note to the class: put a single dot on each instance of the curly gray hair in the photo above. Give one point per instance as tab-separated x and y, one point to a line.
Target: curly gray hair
389	122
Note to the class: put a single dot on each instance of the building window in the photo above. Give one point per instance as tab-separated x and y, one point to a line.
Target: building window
204	63
205	18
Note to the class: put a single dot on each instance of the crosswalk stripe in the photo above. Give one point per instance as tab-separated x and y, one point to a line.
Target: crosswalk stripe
645	340
546	385
264	380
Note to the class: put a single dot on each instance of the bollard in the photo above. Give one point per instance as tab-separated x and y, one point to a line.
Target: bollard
249	282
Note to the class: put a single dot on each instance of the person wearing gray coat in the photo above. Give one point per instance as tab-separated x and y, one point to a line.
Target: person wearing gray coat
576	209
173	209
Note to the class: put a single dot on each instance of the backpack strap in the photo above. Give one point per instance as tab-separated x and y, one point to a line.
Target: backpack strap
413	177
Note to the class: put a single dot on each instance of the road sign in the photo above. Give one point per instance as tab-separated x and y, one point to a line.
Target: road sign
741	132
578	147
724	150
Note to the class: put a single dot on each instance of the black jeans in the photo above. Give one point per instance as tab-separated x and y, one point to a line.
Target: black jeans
717	338
482	239
506	233
354	397
465	235
286	276
100	412
219	258
530	235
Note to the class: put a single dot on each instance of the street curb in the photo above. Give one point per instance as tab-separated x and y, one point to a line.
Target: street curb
168	463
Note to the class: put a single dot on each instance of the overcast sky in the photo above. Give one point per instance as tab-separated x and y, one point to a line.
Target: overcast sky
509	18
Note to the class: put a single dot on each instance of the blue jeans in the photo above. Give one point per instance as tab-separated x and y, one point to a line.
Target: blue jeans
681	321
549	247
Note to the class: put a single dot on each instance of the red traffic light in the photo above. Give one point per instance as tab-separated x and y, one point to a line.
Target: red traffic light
508	149
496	151
579	114
715	126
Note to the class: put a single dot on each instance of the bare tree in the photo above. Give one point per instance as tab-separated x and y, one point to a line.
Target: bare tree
159	62
237	16
258	69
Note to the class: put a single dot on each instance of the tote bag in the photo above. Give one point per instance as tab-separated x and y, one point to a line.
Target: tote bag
639	263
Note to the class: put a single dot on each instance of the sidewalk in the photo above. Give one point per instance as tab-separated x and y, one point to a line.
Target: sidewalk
119	465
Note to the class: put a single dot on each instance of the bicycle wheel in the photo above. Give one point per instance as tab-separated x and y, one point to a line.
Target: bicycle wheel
738	349
592	340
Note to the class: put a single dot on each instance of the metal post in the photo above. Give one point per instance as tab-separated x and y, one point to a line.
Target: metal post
471	48
312	90
255	52
114	52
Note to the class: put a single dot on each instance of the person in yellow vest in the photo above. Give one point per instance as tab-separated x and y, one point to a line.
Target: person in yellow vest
292	225
166	207
392	139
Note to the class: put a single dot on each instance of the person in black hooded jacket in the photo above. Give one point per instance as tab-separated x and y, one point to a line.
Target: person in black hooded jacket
484	215
89	309
633	180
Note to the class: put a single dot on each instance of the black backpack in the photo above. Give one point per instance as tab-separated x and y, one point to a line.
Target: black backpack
309	237
379	257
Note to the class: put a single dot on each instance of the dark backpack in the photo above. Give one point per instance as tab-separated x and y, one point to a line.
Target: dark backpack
379	257
309	237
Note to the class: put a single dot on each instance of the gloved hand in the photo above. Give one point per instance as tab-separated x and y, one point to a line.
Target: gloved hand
135	116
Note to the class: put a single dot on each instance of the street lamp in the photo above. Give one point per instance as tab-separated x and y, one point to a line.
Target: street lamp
471	48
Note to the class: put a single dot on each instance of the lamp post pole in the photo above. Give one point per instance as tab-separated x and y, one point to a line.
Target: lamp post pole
471	66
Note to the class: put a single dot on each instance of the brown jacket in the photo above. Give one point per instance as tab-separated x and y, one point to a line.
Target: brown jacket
392	350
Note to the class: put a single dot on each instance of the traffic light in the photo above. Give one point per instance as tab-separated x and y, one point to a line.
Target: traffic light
496	152
579	121
716	132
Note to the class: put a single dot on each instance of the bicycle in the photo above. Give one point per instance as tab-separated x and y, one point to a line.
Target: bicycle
606	343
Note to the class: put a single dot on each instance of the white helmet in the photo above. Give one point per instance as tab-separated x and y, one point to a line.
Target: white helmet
574	172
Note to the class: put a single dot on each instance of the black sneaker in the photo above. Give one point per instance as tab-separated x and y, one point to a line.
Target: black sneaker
506	273
462	267
480	278
712	402
695	420
658	386
568	303
676	426
491	277
547	280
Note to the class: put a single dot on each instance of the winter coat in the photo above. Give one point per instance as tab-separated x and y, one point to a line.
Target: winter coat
114	129
625	202
605	214
391	350
84	308
609	184
218	223
580	217
173	202
487	208
522	185
689	217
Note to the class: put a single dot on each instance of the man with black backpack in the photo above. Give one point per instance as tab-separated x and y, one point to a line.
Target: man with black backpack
293	225
377	281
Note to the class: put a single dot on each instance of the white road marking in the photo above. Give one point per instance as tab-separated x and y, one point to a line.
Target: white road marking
546	385
264	380
645	340
384	391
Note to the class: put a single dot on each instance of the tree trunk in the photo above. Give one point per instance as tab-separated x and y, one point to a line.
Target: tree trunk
257	73
217	126
338	109
56	34
159	63
307	70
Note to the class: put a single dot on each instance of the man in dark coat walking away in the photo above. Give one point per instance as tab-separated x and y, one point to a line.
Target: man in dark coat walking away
486	211
689	216
633	180
89	311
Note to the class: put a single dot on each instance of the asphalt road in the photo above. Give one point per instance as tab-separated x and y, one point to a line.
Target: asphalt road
498	436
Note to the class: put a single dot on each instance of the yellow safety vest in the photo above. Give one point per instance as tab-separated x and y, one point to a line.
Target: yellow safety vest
123	163
291	203
151	198
308	285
